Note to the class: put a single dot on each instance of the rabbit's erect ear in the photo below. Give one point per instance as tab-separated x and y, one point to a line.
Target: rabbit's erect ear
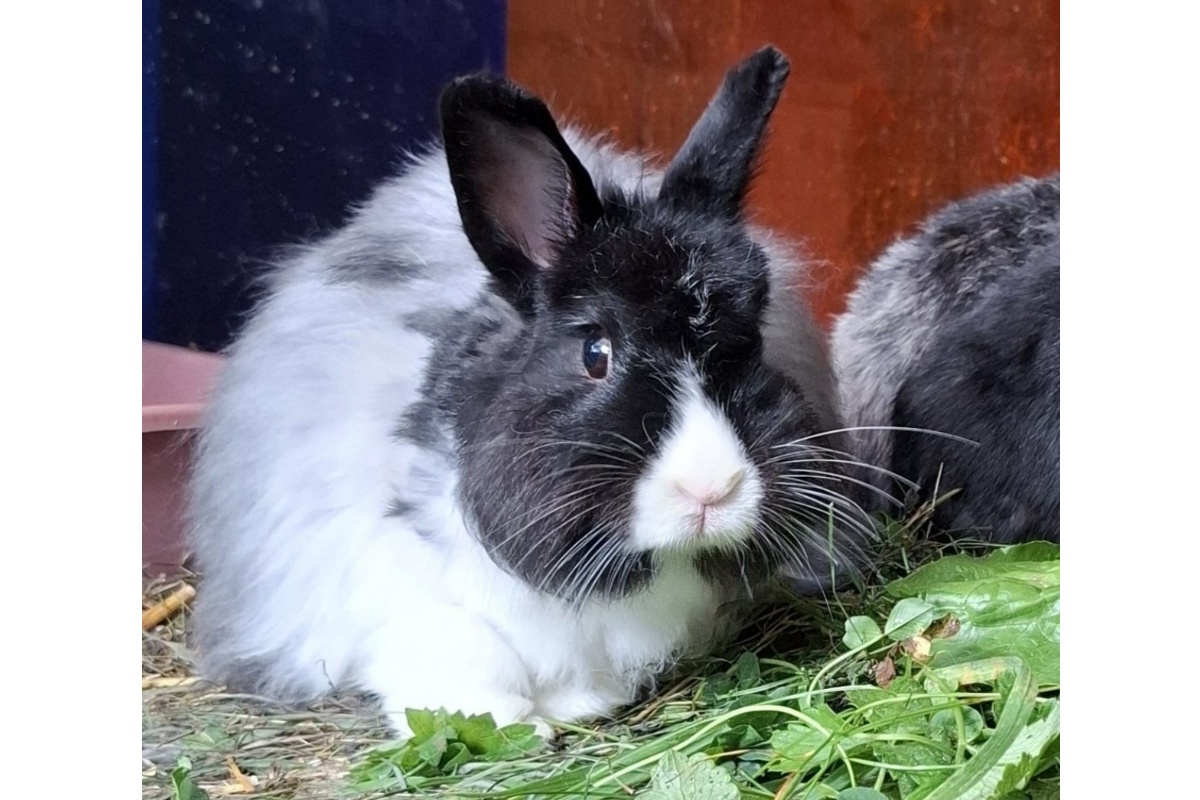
521	191
714	167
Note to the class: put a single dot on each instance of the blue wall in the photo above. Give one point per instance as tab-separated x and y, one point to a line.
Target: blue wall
269	119
150	31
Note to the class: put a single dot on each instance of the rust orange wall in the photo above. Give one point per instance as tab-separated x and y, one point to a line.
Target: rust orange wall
893	106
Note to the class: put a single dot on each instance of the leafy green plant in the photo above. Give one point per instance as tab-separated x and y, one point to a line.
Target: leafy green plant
695	778
182	785
441	744
944	688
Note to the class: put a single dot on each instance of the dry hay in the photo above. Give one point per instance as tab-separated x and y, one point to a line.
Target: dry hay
240	745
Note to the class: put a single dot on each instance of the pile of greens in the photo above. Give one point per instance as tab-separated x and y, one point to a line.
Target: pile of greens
947	691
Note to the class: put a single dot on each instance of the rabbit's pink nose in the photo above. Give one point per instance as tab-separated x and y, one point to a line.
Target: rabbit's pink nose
711	493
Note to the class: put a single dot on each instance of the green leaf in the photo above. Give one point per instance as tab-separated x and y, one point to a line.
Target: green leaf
422	722
1027	551
902	707
742	737
480	734
1036	562
943	725
430	750
749	673
861	793
799	748
516	739
814	742
914	753
211	737
910	617
860	632
697	778
455	756
182	785
1042	789
1006	604
716	687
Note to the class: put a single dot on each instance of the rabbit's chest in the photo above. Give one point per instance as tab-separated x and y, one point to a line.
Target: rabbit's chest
622	642
636	639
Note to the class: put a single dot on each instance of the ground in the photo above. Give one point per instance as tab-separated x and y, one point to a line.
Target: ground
240	745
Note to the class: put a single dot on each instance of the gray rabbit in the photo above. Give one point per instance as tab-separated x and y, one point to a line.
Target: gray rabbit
956	331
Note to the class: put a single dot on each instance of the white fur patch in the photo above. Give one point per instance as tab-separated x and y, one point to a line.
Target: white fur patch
701	491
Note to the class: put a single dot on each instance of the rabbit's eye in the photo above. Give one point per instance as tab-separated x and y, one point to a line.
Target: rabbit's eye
596	352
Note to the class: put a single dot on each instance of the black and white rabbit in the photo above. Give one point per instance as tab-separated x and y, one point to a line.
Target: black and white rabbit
524	430
955	331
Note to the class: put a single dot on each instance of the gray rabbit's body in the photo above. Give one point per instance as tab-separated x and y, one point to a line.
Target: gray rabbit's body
955	330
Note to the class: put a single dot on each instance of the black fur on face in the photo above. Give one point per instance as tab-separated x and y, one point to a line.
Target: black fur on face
549	456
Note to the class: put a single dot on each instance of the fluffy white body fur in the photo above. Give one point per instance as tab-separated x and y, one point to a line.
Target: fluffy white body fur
309	585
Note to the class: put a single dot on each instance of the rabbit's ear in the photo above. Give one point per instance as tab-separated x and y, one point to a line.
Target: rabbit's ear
521	192
714	167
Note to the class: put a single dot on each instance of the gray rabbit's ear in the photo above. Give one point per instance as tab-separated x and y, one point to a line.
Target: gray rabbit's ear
521	191
714	167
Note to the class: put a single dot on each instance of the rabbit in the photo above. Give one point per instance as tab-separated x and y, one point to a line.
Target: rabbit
954	331
527	430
